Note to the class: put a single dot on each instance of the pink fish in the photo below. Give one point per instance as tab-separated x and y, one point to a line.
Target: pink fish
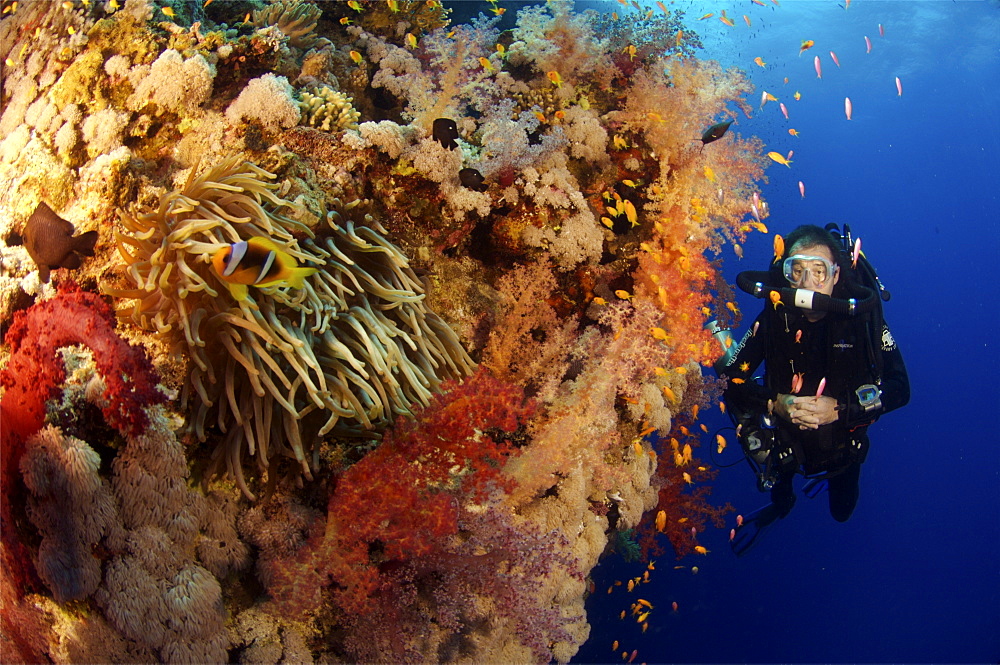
732	535
834	56
756	324
756	215
848	108
899	87
856	253
868	44
756	198
739	520
881	30
802	189
784	111
819	388
819	67
791	153
694	532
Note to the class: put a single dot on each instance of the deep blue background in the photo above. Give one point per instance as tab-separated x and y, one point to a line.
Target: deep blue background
914	576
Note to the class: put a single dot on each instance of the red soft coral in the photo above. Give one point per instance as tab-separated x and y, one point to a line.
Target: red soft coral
35	372
403	498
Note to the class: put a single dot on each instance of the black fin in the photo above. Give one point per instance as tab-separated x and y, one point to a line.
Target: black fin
84	243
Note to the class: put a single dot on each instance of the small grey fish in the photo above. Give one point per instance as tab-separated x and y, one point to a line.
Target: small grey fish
50	241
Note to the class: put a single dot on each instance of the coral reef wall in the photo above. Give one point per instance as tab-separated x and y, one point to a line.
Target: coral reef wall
410	322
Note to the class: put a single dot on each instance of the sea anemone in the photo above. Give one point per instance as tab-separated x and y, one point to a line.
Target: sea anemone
356	343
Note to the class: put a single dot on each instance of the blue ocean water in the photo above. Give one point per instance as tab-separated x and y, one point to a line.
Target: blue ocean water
914	576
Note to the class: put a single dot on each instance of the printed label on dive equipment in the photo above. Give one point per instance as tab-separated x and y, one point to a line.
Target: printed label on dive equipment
888	343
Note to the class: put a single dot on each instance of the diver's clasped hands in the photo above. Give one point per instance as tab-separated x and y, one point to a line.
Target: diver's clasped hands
808	412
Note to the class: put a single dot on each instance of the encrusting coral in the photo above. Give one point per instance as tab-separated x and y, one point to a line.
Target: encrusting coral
356	342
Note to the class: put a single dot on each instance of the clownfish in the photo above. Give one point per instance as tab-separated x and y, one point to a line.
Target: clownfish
258	262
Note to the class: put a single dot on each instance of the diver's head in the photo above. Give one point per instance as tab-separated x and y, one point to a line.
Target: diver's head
811	262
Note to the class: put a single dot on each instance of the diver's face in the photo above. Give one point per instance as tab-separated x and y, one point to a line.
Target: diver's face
816	278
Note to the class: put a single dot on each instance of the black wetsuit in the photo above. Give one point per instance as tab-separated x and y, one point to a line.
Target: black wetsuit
833	348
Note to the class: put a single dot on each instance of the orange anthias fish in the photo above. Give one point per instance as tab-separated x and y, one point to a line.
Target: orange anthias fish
776	299
258	262
555	78
781	159
661	521
779	248
797	95
793	132
760	61
806	45
725	19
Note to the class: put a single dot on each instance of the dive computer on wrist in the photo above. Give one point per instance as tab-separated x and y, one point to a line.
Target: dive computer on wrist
869	397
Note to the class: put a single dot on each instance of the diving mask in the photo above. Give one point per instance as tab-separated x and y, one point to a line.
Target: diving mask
798	267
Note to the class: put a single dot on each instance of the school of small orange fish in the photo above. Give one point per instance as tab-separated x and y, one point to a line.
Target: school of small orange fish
641	609
805	45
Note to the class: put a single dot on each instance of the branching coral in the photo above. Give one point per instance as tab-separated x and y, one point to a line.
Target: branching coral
456	80
328	109
356	343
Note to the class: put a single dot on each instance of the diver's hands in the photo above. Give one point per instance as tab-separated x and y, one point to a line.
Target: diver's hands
808	412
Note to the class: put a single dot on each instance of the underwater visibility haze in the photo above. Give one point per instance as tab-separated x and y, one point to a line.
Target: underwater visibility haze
376	331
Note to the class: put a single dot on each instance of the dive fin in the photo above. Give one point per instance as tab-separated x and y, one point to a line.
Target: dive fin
753	528
814	487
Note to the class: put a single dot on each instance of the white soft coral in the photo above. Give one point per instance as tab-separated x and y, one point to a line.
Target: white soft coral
268	100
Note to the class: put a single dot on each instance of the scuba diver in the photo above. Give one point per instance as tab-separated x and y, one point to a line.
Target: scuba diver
832	368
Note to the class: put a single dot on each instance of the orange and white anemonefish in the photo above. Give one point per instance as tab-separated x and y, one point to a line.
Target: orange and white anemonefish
258	262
